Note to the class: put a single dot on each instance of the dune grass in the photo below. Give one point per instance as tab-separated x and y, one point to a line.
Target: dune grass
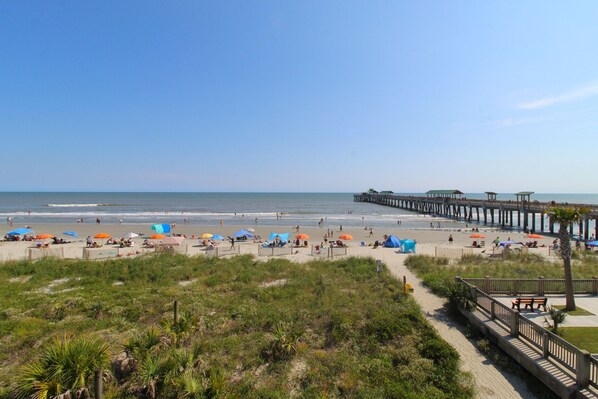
248	328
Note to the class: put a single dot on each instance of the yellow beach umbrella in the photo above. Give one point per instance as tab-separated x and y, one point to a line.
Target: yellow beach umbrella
206	235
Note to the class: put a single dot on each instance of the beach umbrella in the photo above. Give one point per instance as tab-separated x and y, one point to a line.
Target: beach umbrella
217	237
19	232
102	235
345	237
157	236
206	235
131	235
251	230
534	236
44	236
302	236
477	236
592	243
70	233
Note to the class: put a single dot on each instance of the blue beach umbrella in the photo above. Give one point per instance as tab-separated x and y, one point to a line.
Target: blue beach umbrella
217	237
592	243
70	233
19	232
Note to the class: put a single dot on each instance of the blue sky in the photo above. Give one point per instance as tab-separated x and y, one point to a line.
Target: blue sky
298	96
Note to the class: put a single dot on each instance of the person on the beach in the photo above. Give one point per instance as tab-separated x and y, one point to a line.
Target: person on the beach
98	221
450	239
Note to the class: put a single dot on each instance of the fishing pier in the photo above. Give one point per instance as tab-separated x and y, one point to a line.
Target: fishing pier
521	213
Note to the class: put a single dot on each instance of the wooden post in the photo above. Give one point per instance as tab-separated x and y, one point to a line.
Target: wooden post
404	284
582	371
541	286
98	384
514	323
594	285
487	285
493	310
545	351
176	312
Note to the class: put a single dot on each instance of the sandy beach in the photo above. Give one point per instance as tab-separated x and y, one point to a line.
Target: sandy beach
427	240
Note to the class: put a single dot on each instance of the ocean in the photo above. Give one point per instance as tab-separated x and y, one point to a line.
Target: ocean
270	209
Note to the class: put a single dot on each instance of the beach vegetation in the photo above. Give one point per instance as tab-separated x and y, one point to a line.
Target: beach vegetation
333	329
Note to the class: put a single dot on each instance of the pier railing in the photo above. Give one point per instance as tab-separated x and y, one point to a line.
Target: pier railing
576	361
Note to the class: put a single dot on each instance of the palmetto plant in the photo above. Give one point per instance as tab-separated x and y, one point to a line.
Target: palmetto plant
285	342
565	217
64	366
557	317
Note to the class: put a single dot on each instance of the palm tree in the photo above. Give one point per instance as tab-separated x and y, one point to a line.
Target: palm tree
565	217
65	368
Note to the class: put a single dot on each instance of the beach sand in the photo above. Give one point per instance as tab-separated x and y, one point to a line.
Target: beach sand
491	382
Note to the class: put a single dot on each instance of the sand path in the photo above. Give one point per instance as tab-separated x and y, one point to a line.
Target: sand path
490	381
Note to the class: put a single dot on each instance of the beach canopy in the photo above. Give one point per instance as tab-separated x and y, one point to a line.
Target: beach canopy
242	233
408	246
19	232
505	243
161	228
592	243
70	233
173	240
283	237
392	242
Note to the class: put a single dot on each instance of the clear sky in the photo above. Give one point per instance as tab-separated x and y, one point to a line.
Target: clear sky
299	95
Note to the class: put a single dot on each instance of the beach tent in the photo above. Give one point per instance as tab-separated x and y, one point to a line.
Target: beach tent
392	242
505	243
408	246
19	232
283	237
242	233
161	228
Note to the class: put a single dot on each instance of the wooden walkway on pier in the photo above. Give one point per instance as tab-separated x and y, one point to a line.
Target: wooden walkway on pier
520	214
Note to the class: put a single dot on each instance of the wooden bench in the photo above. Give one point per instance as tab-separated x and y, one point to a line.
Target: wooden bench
529	302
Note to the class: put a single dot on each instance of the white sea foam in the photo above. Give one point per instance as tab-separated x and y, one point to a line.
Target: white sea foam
75	205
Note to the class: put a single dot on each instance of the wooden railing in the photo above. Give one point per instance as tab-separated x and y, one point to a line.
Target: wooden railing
577	361
539	286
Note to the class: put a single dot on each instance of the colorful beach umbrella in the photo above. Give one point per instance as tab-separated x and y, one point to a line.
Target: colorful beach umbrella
44	236
206	236
477	236
70	233
534	236
102	235
345	237
302	236
157	236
